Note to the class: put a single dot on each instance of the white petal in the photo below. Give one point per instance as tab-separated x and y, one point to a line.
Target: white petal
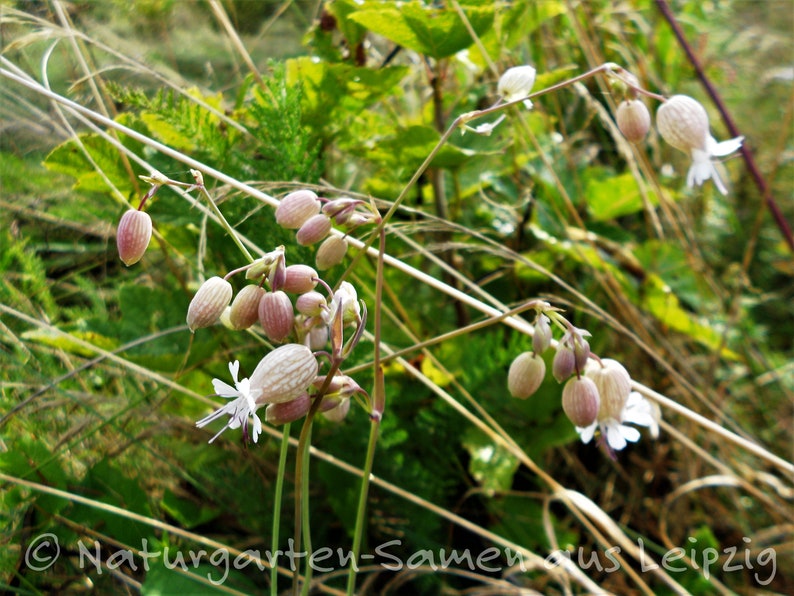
629	433
725	148
638	410
612	432
586	433
234	368
224	389
257	427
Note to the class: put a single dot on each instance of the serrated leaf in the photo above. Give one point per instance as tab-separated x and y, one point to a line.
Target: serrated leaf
434	32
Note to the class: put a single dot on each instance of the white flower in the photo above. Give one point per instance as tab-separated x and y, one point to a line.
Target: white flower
615	432
484	129
684	124
516	83
238	410
345	299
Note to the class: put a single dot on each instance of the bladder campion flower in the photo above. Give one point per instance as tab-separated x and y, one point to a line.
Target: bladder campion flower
240	409
684	123
614	431
516	83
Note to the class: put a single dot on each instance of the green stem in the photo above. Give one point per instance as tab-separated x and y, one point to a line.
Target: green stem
364	492
307	536
282	468
225	224
378	406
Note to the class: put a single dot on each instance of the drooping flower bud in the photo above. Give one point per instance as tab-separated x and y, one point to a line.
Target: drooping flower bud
284	374
311	304
331	252
525	375
276	315
684	123
288	411
341	209
580	401
209	303
297	207
564	362
245	307
634	120
300	279
541	339
516	83
614	386
313	230
133	236
581	352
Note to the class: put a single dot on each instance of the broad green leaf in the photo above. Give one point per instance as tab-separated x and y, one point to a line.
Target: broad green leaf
434	32
411	145
328	88
491	465
663	304
612	196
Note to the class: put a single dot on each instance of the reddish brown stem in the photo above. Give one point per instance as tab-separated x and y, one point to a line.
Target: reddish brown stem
752	167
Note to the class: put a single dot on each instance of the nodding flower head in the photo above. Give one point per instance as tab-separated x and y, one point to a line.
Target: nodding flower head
516	83
684	124
525	375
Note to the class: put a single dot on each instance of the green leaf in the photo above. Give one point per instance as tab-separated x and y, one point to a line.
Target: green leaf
663	304
434	32
334	91
491	465
409	147
188	512
613	196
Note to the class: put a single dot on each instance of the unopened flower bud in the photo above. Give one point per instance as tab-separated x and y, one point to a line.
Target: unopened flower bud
564	362
313	230
684	123
331	252
634	120
276	315
580	401
614	385
541	339
340	209
288	411
209	303
581	352
284	374
297	207
311	304
516	83
245	307
133	236
525	375
299	279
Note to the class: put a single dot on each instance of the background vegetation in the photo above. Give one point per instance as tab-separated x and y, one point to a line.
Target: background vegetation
692	291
